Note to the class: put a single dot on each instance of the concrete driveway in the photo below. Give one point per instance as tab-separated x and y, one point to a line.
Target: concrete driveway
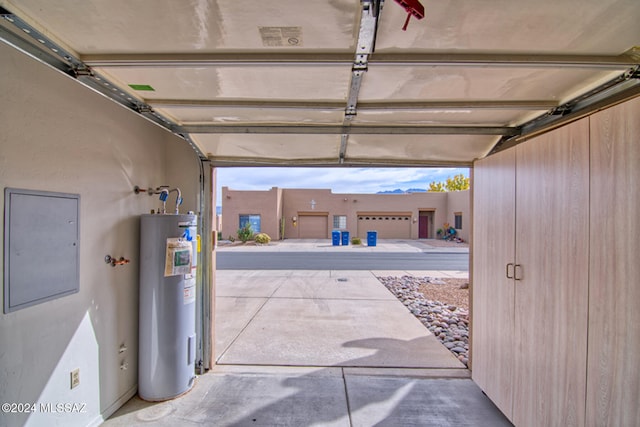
319	318
322	348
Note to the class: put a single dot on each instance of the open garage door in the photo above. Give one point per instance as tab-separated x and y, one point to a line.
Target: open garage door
314	226
388	225
342	82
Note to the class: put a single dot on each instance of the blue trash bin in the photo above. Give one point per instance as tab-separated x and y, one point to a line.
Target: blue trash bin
372	238
345	238
335	237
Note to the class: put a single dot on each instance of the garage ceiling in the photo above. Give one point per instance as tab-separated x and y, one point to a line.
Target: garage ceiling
338	82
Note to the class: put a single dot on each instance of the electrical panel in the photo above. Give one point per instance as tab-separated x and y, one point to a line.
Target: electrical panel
41	247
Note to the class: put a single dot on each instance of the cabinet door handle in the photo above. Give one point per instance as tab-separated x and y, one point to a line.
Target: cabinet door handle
510	276
517	269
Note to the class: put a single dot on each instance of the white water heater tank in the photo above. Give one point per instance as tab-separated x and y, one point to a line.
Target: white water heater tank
167	323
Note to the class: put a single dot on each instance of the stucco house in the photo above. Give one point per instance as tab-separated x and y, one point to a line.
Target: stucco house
313	213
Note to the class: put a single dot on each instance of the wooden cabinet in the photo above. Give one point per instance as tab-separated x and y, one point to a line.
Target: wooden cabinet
613	381
551	301
560	343
494	208
530	277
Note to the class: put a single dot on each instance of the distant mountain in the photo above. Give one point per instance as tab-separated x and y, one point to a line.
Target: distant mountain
400	191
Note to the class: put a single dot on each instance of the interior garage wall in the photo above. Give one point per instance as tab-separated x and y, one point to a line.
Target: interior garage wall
60	136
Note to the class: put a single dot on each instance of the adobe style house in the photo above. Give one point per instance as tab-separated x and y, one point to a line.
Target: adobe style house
313	214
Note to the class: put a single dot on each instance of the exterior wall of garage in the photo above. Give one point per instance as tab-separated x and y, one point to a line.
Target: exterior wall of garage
302	210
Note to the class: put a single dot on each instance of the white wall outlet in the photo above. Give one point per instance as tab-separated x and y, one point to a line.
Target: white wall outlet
75	378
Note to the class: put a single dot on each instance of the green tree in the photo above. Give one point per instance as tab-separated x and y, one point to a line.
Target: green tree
436	187
457	183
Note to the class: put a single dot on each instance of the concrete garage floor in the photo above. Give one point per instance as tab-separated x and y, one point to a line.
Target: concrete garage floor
316	397
323	348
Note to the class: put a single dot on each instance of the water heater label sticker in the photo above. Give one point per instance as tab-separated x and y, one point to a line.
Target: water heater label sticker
189	291
178	257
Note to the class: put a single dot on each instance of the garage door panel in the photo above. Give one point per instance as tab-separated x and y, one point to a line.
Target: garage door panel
313	227
387	226
250	146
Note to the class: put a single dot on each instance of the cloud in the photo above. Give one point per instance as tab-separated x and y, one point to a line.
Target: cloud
340	180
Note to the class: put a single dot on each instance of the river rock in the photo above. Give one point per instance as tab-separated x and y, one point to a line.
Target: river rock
449	323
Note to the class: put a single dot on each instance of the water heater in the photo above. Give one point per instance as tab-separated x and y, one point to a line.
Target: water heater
167	327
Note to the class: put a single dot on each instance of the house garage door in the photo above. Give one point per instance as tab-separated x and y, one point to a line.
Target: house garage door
387	226
313	227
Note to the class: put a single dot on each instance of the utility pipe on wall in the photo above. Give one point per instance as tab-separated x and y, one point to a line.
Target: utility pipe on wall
164	192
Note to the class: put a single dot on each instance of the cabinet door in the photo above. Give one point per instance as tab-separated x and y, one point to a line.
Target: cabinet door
613	382
552	232
493	293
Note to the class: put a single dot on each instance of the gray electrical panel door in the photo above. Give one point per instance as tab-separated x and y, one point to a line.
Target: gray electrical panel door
41	247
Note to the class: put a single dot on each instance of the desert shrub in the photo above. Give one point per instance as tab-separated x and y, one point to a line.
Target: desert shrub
262	238
356	241
245	233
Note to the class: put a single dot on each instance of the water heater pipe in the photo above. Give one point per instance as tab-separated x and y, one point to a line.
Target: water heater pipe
164	192
178	198
164	195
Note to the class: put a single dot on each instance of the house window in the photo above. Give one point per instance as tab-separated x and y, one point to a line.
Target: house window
253	220
458	220
340	222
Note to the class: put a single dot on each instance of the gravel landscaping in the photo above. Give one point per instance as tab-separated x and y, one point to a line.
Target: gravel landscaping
441	304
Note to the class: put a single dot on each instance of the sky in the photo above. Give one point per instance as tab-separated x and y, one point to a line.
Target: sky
340	180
